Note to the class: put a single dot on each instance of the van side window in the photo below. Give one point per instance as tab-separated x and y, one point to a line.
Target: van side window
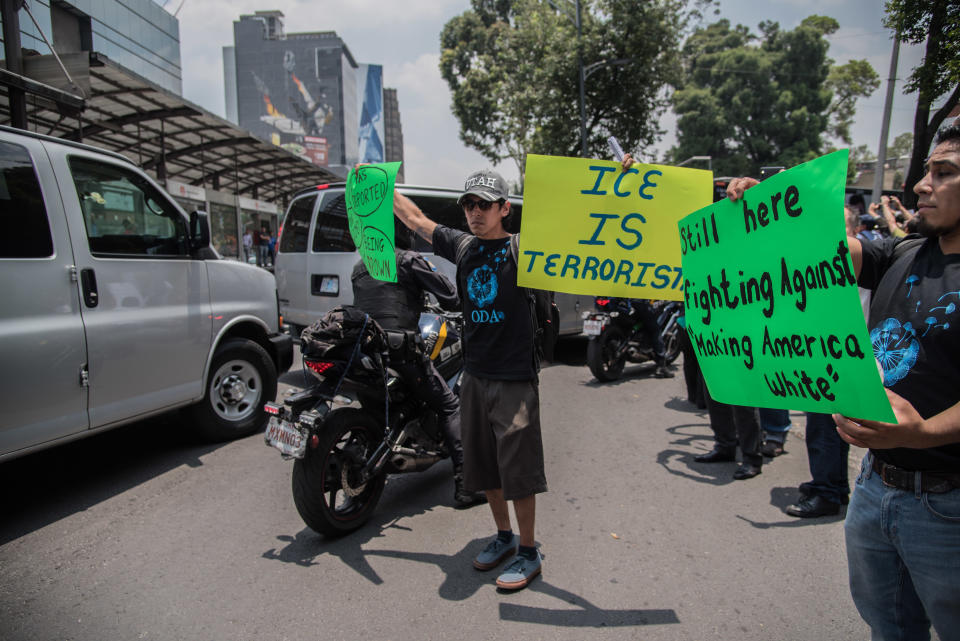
124	214
24	218
333	231
296	225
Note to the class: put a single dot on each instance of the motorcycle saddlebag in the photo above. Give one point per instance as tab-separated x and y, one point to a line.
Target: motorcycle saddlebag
337	333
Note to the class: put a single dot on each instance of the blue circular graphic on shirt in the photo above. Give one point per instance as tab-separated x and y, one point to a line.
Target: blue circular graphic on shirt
482	286
896	347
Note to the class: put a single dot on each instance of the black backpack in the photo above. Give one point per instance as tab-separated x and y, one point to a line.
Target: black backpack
340	333
544	313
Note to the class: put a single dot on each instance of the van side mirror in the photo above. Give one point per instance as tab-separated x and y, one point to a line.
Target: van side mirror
199	230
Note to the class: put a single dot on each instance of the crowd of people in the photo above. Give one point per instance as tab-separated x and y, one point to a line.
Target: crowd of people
903	520
260	245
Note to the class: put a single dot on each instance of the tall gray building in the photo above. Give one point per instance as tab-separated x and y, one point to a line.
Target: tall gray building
392	131
304	92
296	90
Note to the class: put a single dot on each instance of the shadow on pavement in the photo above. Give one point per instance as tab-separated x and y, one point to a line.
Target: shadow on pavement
781	497
404	496
585	615
678	404
672	459
46	486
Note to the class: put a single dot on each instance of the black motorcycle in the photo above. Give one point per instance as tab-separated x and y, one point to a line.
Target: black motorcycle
359	422
616	335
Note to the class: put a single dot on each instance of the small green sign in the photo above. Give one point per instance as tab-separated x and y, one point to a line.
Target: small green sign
772	305
369	200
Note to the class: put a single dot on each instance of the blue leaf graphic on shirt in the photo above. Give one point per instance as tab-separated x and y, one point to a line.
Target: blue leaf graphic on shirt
482	286
896	347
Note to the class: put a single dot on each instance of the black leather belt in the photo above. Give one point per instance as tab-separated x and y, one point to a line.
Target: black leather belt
935	482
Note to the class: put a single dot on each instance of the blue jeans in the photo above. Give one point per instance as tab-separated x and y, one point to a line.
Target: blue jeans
827	455
776	423
903	552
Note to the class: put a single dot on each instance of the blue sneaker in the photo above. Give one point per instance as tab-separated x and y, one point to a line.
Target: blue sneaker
495	552
520	572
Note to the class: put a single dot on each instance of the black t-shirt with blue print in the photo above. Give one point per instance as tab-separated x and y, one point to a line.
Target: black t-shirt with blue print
498	329
915	331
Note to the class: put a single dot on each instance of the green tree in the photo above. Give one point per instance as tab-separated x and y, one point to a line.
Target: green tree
749	100
936	22
848	82
902	145
511	66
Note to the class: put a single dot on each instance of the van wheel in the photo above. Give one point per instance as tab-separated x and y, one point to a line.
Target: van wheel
242	378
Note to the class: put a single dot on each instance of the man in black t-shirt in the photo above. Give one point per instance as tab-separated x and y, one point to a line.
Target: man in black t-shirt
903	523
500	396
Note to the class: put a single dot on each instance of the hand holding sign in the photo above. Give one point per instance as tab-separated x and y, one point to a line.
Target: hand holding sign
369	201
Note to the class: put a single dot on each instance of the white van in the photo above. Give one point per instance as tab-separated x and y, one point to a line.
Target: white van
316	253
115	307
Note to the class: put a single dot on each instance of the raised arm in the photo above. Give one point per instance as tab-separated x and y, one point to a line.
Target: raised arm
411	216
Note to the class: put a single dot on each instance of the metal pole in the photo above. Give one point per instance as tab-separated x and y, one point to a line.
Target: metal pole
14	56
885	126
583	103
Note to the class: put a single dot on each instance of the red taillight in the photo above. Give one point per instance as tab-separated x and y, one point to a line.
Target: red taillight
318	367
603	302
322	186
270	408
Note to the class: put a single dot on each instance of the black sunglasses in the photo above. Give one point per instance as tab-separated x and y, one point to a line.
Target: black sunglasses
482	205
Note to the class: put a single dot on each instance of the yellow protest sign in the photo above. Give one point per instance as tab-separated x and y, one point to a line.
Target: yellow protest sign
590	228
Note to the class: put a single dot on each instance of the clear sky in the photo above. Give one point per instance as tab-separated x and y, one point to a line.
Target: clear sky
404	37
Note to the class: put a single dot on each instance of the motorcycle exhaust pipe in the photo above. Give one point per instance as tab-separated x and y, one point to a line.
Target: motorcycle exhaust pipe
413	462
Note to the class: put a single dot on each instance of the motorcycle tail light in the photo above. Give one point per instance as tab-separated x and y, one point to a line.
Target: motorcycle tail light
318	367
603	302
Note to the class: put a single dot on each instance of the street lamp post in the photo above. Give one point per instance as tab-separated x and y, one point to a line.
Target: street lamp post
583	101
584	72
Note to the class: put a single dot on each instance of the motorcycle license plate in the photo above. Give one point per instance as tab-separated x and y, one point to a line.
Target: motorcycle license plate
592	327
284	436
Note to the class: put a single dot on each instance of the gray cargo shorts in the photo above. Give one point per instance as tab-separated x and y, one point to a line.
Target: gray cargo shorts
502	446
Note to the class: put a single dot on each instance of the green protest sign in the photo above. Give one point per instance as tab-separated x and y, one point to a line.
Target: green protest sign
772	304
369	200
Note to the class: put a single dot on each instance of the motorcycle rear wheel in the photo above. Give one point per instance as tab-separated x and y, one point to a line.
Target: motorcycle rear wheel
671	344
601	354
326	490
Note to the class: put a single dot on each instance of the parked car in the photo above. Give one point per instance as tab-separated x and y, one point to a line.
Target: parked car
115	307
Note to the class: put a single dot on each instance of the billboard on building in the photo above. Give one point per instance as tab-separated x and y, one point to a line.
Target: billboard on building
289	93
370	83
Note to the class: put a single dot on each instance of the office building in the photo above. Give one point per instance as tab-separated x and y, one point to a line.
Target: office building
392	131
138	35
304	92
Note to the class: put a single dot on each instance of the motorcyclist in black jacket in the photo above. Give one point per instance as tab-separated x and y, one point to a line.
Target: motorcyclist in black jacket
397	306
651	328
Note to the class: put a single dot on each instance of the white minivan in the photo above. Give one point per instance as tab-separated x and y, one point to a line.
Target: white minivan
316	253
115	307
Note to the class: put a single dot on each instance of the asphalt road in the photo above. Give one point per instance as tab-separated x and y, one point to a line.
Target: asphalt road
144	534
